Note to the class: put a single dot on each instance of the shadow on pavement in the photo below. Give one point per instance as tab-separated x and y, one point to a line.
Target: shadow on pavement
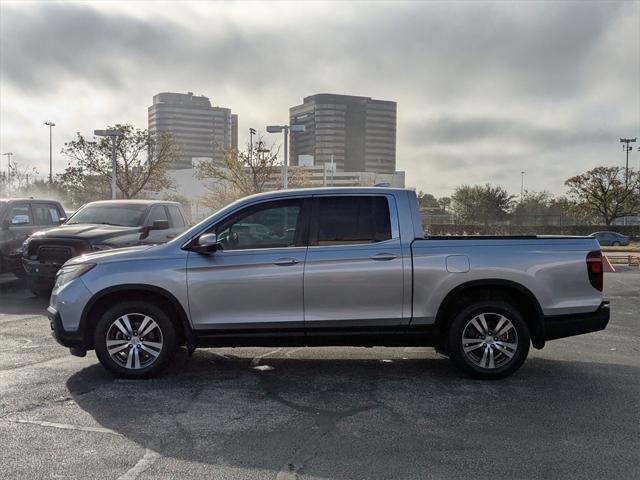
368	419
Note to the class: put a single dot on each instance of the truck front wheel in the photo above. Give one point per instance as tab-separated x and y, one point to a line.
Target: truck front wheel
135	339
488	339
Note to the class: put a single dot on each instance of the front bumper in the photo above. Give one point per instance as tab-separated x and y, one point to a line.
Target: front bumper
561	326
35	268
73	340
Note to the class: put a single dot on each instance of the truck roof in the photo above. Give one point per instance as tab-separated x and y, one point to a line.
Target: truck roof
332	190
137	202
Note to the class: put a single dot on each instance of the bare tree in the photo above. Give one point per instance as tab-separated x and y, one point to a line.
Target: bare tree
244	173
142	163
604	193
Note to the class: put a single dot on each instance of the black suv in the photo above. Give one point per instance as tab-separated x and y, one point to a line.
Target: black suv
97	226
20	217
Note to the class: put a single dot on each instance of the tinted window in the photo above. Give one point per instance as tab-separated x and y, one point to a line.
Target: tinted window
46	214
126	215
268	225
157	213
20	214
176	217
353	220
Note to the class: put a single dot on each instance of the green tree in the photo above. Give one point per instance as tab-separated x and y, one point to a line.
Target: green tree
142	163
604	194
484	204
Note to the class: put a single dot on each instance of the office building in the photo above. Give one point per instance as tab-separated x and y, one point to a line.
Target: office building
359	133
199	129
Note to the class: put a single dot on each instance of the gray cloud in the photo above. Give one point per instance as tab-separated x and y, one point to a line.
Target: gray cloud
544	76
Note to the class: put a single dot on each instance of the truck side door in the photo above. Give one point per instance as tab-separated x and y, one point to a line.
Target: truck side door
354	270
254	280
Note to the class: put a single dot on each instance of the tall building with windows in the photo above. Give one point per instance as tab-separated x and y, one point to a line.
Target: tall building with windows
199	129
358	132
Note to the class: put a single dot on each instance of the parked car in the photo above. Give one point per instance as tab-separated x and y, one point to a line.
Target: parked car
19	218
613	239
99	226
341	266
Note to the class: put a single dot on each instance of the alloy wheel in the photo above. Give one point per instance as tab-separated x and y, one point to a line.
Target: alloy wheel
134	341
489	340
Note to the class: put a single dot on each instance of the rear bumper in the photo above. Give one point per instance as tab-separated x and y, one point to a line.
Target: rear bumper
561	326
73	340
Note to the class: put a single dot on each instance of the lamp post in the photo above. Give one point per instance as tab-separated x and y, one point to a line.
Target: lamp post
9	155
114	134
286	129
522	185
50	125
627	148
252	132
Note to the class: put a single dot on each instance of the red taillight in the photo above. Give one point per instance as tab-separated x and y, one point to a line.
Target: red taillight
594	269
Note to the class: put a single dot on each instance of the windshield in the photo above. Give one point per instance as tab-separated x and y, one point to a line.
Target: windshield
125	215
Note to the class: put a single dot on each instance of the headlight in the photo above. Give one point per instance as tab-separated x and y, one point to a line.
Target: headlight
25	246
101	247
71	272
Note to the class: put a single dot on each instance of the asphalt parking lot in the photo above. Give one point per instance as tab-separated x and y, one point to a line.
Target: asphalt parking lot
572	411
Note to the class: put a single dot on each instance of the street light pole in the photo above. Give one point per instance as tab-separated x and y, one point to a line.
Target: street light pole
285	129
626	148
8	154
252	132
50	125
113	134
522	185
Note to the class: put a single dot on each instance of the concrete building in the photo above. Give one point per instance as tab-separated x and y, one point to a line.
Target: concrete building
199	129
359	132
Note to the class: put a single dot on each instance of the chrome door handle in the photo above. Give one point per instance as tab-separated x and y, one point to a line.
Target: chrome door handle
283	262
383	256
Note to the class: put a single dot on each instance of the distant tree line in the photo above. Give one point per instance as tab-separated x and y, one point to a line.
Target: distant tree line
598	196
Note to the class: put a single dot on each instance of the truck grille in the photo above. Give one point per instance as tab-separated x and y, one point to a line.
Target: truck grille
55	250
55	254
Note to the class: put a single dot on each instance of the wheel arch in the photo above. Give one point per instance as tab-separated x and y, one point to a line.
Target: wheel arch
474	290
104	299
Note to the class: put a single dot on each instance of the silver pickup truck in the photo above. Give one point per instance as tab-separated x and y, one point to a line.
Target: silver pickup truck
334	266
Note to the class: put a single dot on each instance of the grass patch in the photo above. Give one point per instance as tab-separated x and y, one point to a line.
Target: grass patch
634	247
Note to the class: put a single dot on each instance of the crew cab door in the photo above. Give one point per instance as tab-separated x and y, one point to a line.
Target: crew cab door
254	280
354	270
18	223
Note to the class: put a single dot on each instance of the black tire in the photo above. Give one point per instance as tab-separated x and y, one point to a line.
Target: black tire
498	357
40	287
615	244
135	311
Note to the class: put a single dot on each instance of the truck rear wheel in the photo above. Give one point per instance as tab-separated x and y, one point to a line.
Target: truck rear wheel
135	339
489	339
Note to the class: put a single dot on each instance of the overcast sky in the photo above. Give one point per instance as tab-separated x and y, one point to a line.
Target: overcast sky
484	89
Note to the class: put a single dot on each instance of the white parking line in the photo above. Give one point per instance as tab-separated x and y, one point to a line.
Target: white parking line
148	459
65	426
256	360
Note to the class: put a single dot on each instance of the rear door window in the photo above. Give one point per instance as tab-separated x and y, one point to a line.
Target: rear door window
352	220
177	221
46	214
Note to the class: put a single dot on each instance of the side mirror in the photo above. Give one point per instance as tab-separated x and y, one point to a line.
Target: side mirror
160	225
157	225
61	220
208	243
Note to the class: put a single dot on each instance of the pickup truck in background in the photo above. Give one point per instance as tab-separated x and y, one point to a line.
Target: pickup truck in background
333	266
98	226
19	218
